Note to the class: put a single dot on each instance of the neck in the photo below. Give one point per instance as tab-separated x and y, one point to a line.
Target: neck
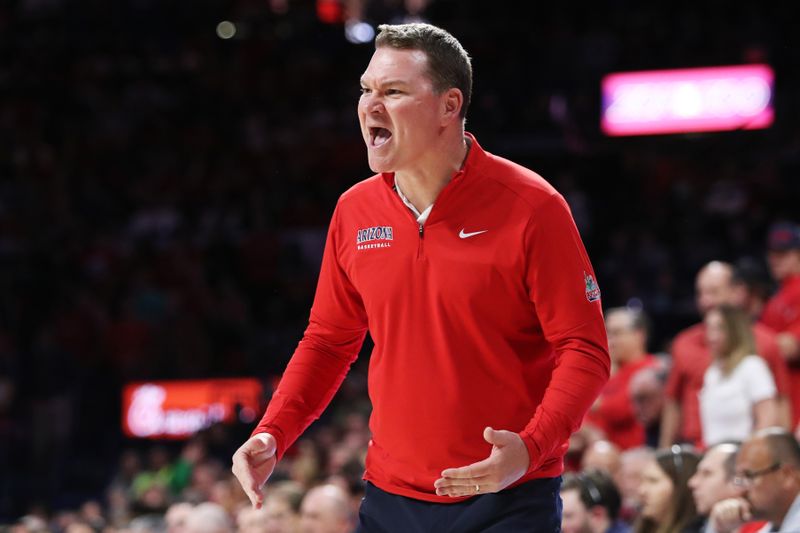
781	513
631	358
423	183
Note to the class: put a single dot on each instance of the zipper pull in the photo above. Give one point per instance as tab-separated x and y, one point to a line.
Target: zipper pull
420	231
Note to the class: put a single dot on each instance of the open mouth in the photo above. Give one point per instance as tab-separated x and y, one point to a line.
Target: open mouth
379	136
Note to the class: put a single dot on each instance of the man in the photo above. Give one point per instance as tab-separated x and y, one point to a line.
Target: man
591	504
713	480
601	455
648	395
280	512
629	478
782	312
326	509
680	421
208	518
479	296
176	517
768	471
627	344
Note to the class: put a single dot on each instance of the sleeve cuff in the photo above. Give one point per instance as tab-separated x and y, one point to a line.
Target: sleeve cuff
534	453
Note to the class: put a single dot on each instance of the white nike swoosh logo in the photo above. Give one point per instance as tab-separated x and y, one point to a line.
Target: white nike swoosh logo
465	235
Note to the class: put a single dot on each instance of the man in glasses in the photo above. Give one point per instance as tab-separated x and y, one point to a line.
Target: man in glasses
768	472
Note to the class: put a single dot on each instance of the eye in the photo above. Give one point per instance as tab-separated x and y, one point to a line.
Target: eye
392	92
365	90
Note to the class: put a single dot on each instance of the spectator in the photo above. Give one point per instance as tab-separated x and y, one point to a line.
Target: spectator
738	393
177	516
79	527
713	481
768	471
632	463
667	503
782	312
751	288
208	518
680	421
279	514
602	455
612	413
591	504
648	397
148	523
30	524
326	509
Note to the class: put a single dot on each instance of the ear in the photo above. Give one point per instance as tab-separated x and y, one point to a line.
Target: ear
452	102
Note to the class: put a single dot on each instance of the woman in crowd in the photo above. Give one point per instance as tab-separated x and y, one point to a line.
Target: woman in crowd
667	502
738	394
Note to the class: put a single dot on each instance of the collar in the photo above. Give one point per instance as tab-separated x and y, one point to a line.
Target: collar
791	279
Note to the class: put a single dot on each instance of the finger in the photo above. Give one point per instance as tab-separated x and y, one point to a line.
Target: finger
479	469
462	482
471	490
248	483
744	512
499	437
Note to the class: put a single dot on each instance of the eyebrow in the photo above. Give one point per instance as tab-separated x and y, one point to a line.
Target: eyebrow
387	82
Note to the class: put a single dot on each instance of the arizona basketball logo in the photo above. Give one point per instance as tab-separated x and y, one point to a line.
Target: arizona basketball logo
592	290
374	237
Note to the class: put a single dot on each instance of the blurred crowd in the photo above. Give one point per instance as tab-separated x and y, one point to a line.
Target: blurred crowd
164	196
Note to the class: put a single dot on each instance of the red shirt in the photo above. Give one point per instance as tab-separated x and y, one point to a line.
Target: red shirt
752	527
613	413
782	315
690	359
489	316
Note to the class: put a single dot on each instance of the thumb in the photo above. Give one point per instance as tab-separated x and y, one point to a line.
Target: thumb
264	443
497	438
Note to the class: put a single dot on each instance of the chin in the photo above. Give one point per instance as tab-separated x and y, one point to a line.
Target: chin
380	166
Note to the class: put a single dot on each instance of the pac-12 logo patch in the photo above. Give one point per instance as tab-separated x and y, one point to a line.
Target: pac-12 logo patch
592	290
374	237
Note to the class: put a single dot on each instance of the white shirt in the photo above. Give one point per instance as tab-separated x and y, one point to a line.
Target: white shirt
726	402
421	217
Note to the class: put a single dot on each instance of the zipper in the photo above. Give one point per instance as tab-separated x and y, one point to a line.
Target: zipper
421	238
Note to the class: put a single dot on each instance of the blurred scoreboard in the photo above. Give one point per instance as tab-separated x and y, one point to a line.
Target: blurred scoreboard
178	409
688	100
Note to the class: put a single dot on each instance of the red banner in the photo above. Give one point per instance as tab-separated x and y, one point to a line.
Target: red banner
178	409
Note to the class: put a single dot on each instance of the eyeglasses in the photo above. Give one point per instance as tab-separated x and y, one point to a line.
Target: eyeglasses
746	477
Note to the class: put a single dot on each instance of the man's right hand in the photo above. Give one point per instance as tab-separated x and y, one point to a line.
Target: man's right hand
253	463
728	515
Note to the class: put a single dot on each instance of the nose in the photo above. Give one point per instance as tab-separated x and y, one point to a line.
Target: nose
375	106
371	103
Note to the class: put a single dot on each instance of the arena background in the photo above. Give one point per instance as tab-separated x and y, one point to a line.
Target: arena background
164	191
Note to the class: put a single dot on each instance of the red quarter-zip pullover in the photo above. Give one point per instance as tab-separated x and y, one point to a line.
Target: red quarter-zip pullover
487	316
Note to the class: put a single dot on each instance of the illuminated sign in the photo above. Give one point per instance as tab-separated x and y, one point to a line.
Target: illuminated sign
178	409
688	100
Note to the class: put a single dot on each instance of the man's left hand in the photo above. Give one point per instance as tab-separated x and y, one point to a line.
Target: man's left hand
508	461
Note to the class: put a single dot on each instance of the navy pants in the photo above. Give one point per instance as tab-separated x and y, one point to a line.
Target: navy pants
534	506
